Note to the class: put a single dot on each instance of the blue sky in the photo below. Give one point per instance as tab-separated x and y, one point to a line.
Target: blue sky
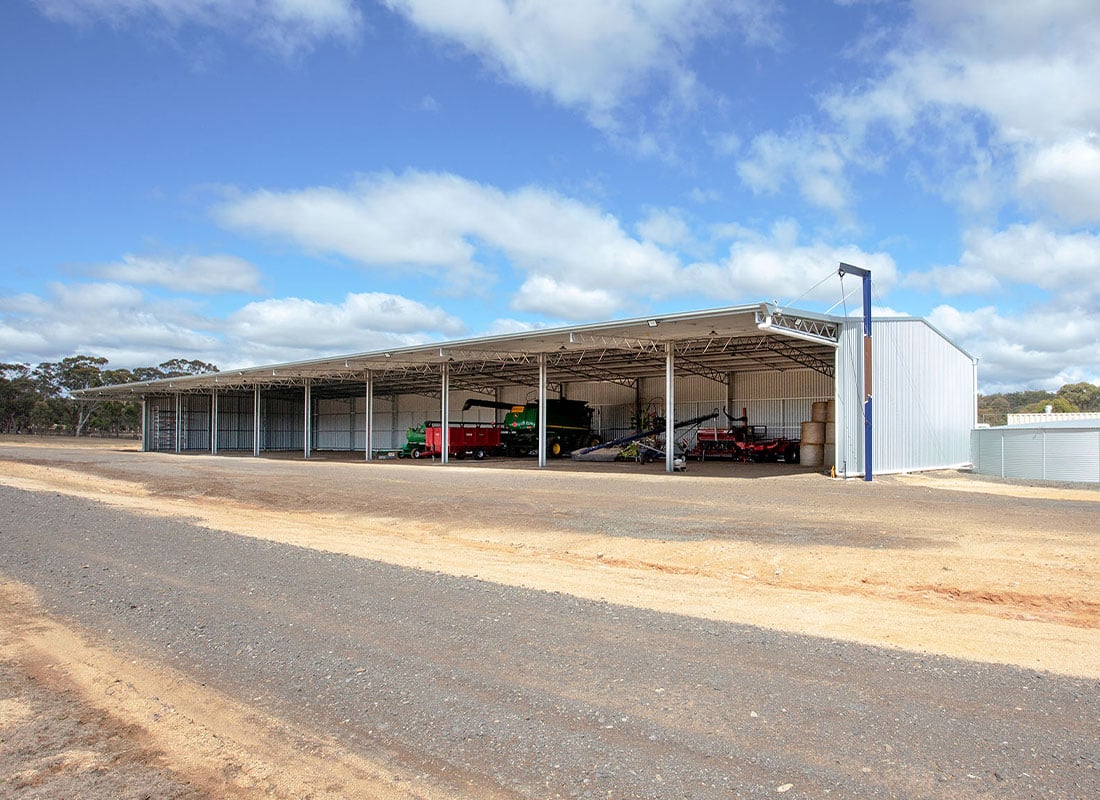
251	181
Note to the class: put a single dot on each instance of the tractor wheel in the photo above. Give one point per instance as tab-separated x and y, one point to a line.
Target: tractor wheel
555	448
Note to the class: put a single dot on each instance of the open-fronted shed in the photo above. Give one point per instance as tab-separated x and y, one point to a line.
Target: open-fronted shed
766	363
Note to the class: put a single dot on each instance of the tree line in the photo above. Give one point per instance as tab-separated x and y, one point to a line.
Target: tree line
994	409
39	399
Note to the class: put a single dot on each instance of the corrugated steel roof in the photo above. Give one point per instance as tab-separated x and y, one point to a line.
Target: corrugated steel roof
709	343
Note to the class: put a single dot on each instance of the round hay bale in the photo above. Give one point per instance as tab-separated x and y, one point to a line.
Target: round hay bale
812	455
813	433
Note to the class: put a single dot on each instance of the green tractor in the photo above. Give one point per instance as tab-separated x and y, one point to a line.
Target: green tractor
568	426
415	442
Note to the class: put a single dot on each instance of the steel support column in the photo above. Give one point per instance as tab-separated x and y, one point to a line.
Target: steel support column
145	426
542	410
214	422
256	420
670	408
307	426
368	410
179	421
445	413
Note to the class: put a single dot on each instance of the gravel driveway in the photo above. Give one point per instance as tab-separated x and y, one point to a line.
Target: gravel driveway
513	692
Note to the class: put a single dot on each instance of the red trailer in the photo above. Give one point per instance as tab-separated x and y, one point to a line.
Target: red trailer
477	439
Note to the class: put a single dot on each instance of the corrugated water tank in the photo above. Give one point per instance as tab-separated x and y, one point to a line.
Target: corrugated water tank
1052	452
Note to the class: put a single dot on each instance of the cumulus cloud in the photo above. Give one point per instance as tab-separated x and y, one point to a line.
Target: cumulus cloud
983	96
103	319
449	226
361	322
131	329
212	274
1065	264
1065	177
285	26
594	57
568	259
505	325
542	294
1043	347
778	265
814	162
665	227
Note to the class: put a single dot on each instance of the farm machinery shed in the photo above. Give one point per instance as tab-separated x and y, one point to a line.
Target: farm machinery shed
758	362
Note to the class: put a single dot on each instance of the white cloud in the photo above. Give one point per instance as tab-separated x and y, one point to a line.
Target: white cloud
972	94
542	294
285	26
953	280
594	57
22	344
505	325
571	260
361	322
1032	255
814	162
124	325
1043	347
1028	67
1065	176
418	221
665	227
449	226
103	319
199	274
777	266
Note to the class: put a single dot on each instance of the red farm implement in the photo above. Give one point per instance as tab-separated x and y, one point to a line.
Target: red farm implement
476	439
744	442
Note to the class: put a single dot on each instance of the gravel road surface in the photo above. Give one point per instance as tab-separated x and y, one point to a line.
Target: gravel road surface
513	692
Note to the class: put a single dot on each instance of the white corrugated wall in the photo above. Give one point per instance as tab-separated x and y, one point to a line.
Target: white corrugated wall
335	423
282	425
780	400
924	398
235	425
1053	454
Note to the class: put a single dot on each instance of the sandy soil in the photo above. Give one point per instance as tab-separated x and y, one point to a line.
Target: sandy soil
79	720
961	582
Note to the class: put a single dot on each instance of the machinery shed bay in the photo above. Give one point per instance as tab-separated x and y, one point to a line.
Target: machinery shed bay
762	369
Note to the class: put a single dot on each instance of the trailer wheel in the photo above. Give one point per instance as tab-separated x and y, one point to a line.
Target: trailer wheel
416	454
791	456
479	454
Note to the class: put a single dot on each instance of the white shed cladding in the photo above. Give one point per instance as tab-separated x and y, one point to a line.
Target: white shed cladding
1067	451
924	393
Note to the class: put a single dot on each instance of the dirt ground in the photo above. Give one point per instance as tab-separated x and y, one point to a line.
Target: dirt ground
949	564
